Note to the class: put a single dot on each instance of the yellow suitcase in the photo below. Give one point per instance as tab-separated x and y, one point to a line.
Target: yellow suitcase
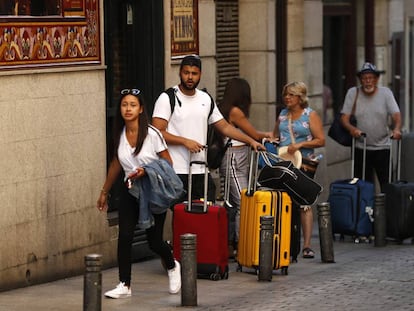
253	205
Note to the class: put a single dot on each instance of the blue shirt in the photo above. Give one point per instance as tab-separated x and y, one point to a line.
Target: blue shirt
300	127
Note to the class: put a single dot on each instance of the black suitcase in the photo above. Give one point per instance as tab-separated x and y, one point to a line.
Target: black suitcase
295	233
399	204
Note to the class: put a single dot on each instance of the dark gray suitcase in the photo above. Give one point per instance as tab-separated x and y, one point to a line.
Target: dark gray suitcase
399	203
406	155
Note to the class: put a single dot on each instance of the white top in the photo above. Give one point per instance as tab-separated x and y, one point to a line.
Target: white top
153	144
190	121
235	143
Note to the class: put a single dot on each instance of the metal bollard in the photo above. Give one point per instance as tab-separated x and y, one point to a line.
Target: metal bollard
92	283
325	232
380	223
188	269
267	233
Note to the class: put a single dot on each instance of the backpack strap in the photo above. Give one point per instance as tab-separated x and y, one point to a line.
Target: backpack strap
171	95
212	102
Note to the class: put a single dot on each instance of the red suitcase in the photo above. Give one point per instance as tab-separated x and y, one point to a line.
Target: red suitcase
209	223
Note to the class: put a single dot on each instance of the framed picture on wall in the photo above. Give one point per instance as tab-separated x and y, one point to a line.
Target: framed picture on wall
184	27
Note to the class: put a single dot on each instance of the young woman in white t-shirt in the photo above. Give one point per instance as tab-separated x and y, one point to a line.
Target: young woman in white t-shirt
136	143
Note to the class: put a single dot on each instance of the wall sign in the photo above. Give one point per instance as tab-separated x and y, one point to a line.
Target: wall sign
184	27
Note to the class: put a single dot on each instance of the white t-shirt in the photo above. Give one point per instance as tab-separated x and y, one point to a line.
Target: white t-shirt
188	120
153	144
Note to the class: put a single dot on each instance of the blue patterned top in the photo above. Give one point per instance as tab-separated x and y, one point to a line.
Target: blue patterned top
300	128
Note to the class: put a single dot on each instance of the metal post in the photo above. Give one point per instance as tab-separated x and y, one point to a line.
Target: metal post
325	232
188	269
266	248
380	220
92	283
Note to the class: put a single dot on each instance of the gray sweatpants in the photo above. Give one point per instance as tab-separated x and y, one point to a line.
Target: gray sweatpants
238	177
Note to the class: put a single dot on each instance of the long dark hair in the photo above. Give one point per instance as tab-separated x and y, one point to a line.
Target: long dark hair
236	94
119	124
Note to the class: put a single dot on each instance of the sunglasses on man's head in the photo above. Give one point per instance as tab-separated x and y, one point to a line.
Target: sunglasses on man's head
130	91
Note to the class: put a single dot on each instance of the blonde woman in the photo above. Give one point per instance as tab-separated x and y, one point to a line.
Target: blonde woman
299	127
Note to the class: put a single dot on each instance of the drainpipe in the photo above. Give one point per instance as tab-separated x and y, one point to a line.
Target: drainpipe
281	50
369	31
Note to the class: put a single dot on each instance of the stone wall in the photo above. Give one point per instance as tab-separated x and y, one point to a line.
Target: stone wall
53	165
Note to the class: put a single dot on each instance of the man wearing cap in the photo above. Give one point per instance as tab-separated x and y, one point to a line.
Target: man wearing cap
373	106
185	128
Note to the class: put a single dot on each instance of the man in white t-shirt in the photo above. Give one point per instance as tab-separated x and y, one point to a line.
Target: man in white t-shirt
185	129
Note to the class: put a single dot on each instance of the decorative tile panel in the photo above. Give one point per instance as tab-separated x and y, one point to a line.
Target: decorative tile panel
37	42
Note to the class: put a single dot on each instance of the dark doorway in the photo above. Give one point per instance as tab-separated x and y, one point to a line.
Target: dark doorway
339	49
134	56
134	48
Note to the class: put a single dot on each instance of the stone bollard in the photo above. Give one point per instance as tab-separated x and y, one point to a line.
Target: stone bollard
325	232
188	269
380	224
92	283
267	233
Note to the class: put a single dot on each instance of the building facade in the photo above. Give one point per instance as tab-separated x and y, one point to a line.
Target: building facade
62	64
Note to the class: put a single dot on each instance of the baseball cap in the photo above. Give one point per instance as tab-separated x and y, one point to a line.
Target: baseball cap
191	60
369	68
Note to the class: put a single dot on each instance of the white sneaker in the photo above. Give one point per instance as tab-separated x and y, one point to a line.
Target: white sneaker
174	276
120	291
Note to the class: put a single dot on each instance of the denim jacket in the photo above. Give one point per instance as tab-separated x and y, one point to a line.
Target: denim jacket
156	191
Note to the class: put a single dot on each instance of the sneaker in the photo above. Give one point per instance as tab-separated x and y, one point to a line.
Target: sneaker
174	276
120	291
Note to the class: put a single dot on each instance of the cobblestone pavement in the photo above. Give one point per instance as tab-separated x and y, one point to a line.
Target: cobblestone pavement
363	277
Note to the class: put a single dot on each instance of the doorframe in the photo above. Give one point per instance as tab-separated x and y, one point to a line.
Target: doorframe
347	10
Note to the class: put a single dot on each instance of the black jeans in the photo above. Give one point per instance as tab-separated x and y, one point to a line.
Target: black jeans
376	160
128	217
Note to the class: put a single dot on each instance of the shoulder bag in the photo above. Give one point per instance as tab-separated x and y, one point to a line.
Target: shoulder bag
337	131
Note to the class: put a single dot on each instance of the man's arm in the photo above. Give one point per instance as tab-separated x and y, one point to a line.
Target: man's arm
396	132
239	119
354	131
172	139
228	130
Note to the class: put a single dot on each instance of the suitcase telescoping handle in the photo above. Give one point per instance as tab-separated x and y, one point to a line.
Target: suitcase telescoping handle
390	168
252	180
364	156
229	154
190	182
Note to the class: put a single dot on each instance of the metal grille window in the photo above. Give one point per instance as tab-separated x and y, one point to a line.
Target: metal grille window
227	43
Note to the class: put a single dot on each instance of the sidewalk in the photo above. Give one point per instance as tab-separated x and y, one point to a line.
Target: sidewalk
363	277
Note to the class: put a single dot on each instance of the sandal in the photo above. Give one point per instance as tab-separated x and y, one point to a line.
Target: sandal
308	253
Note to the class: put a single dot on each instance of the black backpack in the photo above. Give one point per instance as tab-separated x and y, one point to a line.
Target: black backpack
215	143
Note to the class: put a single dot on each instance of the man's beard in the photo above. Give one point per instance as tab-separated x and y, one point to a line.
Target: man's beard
186	87
369	89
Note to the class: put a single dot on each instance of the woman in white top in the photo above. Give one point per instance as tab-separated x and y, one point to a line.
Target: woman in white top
136	144
235	108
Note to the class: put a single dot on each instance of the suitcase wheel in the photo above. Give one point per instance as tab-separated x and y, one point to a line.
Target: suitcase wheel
239	268
362	239
220	276
284	270
215	277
